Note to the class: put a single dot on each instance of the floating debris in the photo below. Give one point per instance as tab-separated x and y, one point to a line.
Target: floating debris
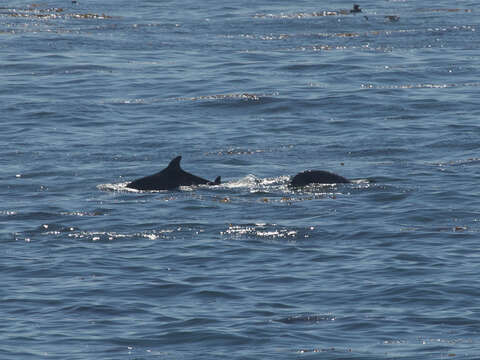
356	9
392	18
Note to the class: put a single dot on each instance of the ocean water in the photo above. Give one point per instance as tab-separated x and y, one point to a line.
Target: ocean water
95	94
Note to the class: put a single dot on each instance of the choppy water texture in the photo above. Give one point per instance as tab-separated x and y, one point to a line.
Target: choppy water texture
95	94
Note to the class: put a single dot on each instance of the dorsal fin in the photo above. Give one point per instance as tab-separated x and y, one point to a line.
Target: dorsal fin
175	163
217	181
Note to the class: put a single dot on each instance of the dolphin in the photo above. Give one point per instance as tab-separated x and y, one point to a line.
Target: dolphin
170	178
317	177
356	9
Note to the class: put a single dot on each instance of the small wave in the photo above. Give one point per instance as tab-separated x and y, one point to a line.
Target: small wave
49	230
342	12
245	151
96	236
445	10
324	350
301	15
320	47
233	96
242	96
306	318
83	213
264	232
469	161
51	13
421	86
216	295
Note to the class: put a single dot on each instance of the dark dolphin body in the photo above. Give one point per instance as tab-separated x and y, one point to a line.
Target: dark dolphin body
356	9
170	178
317	177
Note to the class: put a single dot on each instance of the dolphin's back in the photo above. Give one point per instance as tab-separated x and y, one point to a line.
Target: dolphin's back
317	177
170	178
158	181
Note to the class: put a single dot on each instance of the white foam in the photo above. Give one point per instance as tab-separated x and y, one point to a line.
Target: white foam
116	187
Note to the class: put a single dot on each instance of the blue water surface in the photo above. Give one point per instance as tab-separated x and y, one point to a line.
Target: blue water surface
96	94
